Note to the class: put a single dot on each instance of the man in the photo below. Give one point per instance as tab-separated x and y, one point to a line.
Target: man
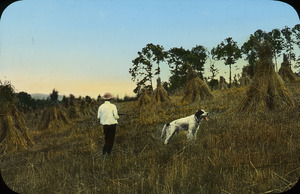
108	115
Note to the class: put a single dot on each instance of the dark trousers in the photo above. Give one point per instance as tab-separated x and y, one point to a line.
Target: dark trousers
109	136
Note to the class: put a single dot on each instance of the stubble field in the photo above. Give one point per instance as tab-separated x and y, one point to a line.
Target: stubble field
241	153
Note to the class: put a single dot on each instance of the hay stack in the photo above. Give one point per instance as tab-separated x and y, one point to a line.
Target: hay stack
196	90
74	113
244	80
267	91
223	84
13	130
53	117
87	110
160	94
144	98
286	72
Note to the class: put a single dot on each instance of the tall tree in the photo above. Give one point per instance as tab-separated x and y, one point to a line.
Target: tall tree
142	70
24	100
288	44
213	83
177	62
260	35
229	52
54	96
250	51
296	34
197	59
276	40
179	59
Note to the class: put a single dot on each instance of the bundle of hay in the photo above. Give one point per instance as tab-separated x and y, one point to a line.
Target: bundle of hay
53	117
13	130
286	72
73	112
244	80
196	89
222	83
86	110
267	91
144	98
160	94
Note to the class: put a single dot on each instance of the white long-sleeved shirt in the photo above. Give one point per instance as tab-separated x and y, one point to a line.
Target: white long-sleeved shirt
108	114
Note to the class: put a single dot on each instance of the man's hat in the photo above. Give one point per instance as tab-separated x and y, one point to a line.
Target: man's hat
108	96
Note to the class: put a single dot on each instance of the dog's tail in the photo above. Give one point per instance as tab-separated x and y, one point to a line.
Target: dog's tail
163	131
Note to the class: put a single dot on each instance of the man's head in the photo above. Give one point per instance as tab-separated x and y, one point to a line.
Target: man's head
108	96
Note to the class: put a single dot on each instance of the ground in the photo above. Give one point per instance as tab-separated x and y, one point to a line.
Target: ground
242	153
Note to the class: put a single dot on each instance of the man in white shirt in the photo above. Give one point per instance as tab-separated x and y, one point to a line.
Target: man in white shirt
108	115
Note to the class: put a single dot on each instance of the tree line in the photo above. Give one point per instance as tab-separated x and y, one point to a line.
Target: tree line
147	65
25	102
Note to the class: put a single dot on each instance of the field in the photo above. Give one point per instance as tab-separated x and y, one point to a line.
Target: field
243	153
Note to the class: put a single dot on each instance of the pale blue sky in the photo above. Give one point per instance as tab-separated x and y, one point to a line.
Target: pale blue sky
86	47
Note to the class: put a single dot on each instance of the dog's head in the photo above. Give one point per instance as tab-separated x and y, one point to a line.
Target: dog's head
201	114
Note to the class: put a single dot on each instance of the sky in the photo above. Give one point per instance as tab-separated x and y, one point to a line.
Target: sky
86	47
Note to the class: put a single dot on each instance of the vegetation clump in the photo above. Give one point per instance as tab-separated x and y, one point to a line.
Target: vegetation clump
53	116
286	72
223	84
144	99
160	95
244	80
13	130
267	91
196	89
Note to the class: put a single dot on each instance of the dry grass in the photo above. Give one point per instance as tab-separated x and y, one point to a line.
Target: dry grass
286	72
196	90
244	80
160	95
267	91
144	99
247	153
13	130
53	116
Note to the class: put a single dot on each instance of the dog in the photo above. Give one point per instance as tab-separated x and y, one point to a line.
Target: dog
190	124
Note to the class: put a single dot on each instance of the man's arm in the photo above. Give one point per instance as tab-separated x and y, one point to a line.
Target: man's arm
98	113
115	113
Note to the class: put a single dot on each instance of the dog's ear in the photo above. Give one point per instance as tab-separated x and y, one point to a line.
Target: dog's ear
199	113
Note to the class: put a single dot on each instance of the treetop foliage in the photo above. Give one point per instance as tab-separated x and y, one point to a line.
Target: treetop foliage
178	58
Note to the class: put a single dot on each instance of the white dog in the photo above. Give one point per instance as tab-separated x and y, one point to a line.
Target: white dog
190	124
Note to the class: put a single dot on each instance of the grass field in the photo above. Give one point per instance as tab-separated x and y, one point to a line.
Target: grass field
244	153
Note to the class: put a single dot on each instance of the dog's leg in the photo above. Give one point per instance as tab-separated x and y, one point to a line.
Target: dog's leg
195	135
170	134
192	134
189	134
163	133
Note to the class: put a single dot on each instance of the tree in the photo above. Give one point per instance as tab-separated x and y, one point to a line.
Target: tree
288	44
274	37
54	96
99	98
72	100
227	51
7	93
88	99
65	101
296	34
179	59
197	58
249	49
176	58
24	100
142	70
